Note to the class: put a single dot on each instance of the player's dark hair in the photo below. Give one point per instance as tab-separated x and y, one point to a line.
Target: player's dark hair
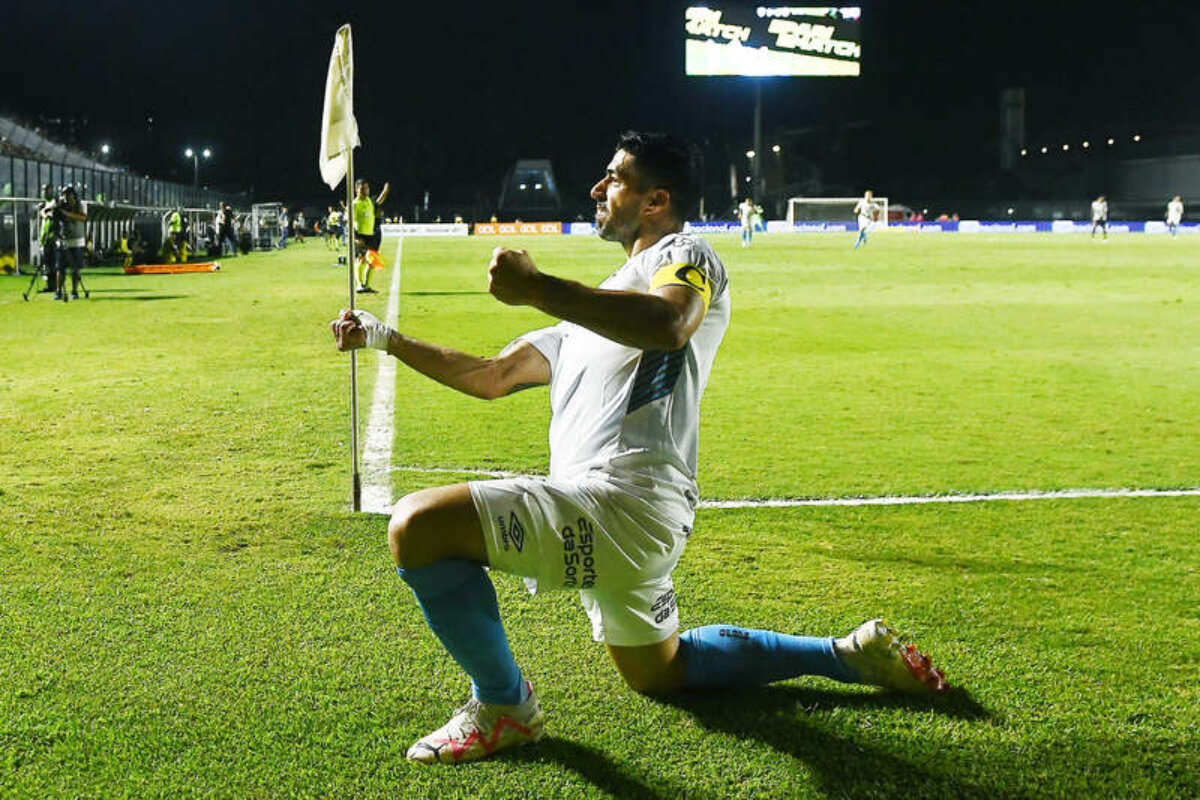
667	162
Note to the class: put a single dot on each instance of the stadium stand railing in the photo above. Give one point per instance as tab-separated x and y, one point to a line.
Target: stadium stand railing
118	200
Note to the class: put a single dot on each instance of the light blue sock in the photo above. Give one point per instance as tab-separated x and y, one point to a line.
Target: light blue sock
721	655
862	238
459	603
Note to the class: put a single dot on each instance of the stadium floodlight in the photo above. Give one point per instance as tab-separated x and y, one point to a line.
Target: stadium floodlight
1086	144
1066	147
1024	151
750	154
523	187
195	157
1137	137
1045	150
104	149
775	148
1010	212
537	187
1110	142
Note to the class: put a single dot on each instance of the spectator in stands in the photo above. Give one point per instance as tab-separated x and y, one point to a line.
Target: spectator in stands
74	238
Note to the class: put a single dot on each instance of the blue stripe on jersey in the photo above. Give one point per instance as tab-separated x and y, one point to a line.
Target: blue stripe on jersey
656	376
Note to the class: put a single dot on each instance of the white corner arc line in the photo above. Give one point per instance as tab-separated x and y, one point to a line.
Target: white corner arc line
381	431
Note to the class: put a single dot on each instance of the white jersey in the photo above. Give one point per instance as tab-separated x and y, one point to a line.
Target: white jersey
865	209
628	412
1174	212
1099	211
746	213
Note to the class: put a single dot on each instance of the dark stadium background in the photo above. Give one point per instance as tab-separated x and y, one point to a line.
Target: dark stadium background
449	94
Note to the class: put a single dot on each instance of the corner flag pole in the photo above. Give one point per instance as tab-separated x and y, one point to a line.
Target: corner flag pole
339	137
356	480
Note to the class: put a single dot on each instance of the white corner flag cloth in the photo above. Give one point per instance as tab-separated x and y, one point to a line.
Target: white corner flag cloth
339	129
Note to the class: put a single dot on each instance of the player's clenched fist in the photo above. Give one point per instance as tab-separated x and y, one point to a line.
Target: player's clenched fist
513	277
355	329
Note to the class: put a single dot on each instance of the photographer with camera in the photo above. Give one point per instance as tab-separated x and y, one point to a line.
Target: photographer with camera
73	221
48	232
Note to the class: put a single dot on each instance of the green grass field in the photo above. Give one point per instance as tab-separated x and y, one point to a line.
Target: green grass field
187	606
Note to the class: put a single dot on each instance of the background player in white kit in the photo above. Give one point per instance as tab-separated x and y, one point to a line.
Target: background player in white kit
1100	216
626	369
746	210
867	210
1174	215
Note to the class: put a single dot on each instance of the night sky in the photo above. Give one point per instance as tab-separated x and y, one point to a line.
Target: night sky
448	94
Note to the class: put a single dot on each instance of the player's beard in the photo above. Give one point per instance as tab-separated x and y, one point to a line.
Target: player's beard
609	227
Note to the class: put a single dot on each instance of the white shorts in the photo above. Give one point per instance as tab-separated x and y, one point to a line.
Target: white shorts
615	547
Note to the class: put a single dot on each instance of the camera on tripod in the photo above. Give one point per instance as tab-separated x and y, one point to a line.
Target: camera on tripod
62	240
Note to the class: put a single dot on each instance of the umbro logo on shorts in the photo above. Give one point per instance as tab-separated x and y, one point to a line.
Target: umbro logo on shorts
664	605
511	531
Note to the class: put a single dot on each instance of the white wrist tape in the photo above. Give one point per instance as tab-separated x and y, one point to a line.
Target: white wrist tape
377	332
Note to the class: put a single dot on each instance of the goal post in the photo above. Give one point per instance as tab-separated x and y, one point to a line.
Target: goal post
832	209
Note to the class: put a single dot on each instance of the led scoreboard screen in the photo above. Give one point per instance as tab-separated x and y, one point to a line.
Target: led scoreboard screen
729	39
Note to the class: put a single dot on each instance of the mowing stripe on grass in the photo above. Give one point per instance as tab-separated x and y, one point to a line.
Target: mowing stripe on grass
377	450
483	473
894	500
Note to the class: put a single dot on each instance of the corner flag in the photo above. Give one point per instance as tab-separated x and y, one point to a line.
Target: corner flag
339	137
339	129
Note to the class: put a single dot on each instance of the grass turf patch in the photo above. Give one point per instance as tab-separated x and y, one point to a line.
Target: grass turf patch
188	608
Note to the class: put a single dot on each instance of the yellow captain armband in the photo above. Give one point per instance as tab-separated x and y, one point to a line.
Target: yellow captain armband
687	275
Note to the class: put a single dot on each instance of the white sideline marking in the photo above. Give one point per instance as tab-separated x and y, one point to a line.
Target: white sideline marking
914	500
898	500
377	450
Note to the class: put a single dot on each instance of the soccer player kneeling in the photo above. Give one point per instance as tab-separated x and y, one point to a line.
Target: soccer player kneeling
626	368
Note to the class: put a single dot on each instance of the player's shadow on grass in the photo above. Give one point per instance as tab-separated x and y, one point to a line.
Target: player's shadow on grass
141	298
845	763
592	765
442	294
781	717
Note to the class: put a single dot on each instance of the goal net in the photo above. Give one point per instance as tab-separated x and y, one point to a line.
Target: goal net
265	227
832	209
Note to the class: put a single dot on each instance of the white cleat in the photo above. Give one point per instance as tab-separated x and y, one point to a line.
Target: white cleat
878	656
478	729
